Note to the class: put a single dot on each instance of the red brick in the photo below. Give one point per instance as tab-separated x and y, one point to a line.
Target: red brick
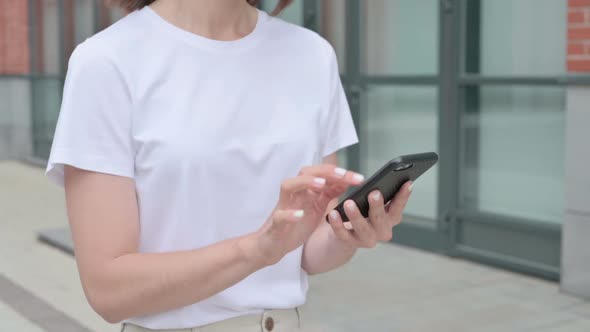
576	16
587	51
575	48
2	37
578	65
579	3
578	33
14	37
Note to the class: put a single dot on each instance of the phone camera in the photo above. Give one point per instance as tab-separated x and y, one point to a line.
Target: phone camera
401	167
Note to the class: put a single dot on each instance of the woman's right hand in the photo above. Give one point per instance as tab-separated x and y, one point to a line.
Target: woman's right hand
302	205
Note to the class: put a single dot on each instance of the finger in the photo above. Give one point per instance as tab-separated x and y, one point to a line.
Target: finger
281	218
378	217
338	179
363	231
338	227
333	174
302	182
398	203
335	191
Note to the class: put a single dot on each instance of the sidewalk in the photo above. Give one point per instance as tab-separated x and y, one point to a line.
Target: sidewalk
390	288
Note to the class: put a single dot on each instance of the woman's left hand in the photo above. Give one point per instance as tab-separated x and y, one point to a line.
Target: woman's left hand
367	232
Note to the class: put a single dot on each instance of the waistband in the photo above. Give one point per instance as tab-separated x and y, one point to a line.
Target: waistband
270	320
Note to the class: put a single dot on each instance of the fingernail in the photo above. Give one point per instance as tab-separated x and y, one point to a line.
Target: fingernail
333	215
358	177
349	205
339	171
375	196
411	187
298	214
319	181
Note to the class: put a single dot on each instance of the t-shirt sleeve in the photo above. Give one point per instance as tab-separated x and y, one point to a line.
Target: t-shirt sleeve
339	131
94	126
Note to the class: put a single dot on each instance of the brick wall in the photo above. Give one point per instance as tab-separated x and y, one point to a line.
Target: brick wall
578	36
14	37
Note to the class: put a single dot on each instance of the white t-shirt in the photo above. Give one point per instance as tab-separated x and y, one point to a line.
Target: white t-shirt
207	129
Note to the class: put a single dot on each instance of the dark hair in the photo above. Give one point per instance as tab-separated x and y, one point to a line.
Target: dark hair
131	5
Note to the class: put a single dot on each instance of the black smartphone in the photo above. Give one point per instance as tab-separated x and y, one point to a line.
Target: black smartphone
389	179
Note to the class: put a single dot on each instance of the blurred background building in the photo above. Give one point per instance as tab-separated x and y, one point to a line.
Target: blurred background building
499	88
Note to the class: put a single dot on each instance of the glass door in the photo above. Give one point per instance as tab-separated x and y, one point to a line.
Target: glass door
512	101
392	82
481	82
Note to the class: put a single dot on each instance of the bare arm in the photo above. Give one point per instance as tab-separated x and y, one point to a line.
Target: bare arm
323	251
121	283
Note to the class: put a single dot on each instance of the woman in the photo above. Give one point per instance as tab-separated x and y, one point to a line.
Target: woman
184	142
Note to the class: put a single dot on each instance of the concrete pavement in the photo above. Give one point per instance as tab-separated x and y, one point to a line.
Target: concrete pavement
390	288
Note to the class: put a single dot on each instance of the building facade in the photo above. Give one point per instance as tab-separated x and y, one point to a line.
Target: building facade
499	88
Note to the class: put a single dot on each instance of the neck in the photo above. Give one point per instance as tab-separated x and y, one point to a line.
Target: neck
214	19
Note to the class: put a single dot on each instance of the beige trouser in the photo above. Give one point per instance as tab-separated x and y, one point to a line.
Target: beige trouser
286	320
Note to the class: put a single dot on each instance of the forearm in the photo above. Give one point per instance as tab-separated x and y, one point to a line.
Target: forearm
144	283
323	251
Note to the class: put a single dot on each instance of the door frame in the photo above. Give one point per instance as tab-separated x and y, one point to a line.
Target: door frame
523	245
457	231
421	233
